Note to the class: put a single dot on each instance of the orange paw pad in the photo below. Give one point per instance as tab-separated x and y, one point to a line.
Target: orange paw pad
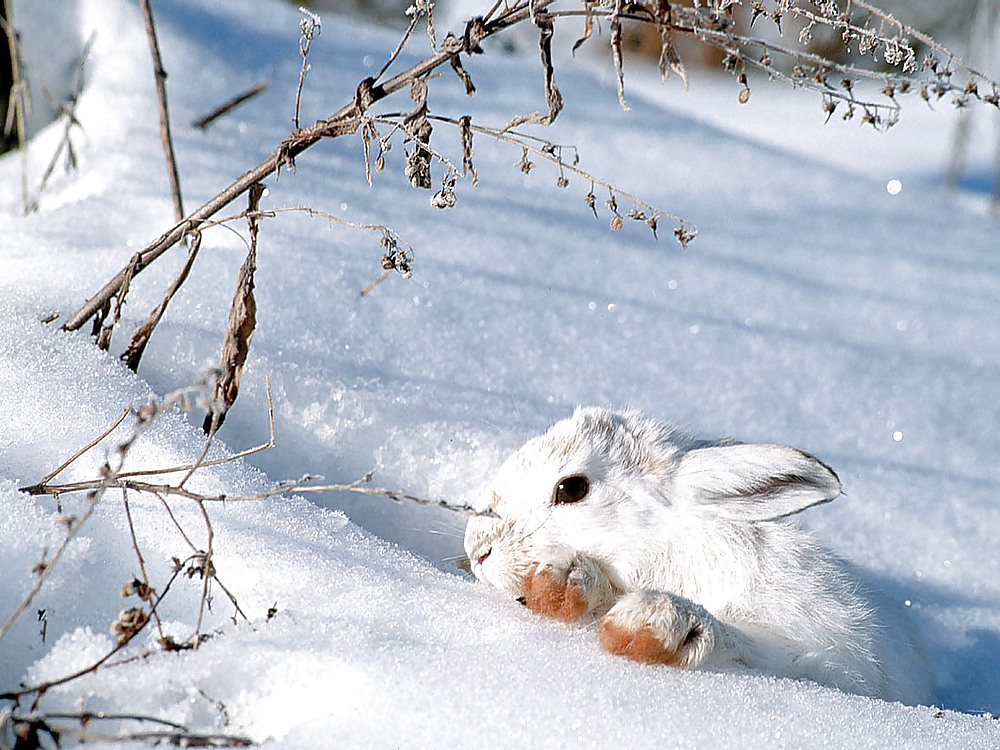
640	645
546	595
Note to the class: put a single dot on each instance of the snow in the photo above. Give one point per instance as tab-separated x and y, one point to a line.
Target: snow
815	309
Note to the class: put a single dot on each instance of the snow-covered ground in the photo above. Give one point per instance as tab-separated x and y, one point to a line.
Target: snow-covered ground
815	309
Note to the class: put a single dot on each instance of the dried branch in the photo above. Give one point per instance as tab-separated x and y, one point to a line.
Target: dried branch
44	488
414	19
86	448
101	332
394	257
66	110
708	22
110	471
203	122
33	727
207	572
685	231
304	484
345	120
132	621
131	480
140	337
125	635
161	98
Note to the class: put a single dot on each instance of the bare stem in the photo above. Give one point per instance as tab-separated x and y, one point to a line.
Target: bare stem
310	27
161	98
203	122
19	101
139	557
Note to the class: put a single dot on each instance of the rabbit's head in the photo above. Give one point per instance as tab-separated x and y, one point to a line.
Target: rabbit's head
622	488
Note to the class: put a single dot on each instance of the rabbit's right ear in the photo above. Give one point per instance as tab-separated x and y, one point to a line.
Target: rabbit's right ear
753	482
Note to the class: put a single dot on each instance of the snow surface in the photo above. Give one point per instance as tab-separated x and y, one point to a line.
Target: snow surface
815	309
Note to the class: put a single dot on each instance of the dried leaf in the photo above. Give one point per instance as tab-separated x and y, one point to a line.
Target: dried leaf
669	59
465	128
462	73
367	140
418	162
588	25
242	322
616	54
553	99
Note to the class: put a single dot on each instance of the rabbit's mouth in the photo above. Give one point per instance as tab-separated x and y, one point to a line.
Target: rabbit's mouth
481	534
478	556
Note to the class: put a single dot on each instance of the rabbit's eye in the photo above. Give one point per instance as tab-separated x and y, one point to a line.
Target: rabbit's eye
571	490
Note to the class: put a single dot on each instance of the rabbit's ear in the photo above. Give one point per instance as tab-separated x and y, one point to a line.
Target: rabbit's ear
753	482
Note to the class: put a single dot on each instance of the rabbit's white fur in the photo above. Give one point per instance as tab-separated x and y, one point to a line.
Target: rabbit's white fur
679	548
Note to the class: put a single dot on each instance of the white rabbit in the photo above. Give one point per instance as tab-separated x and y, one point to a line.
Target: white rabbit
679	548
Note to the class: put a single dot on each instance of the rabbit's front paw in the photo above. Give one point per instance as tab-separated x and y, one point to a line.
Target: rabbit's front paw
564	589
658	628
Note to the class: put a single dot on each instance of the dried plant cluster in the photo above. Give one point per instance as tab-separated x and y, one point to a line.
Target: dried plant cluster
776	43
195	560
873	93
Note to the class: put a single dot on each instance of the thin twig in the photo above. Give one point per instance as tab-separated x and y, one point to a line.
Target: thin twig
161	97
140	337
138	554
279	488
310	26
67	110
41	488
84	449
550	151
203	122
399	47
173	519
208	572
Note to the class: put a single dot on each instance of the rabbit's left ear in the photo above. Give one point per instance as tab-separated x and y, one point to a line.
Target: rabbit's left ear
753	482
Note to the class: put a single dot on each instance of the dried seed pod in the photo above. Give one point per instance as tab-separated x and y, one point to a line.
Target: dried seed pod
127	624
443	198
684	235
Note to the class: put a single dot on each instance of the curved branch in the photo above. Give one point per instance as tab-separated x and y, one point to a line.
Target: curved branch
344	121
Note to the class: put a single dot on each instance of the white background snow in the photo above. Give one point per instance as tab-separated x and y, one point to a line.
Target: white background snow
815	309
